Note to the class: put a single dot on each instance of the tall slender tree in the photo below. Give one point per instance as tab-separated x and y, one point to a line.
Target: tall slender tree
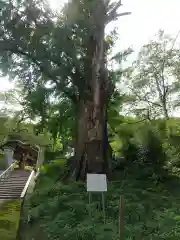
154	78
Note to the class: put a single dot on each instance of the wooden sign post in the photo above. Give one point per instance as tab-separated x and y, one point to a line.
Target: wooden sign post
97	183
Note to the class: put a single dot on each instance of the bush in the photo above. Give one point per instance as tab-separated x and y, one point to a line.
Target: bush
152	209
62	211
143	151
55	169
151	152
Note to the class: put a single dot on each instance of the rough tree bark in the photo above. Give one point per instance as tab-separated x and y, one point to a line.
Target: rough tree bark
89	149
92	149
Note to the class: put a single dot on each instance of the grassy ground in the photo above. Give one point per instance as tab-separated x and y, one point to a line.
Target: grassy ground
9	219
61	211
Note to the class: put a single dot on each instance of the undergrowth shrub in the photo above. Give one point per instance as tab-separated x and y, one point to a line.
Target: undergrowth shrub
54	170
151	209
151	153
144	152
62	212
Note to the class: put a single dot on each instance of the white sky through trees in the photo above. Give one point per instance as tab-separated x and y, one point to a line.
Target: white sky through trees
148	16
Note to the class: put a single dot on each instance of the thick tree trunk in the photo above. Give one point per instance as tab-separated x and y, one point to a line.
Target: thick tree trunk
92	140
92	144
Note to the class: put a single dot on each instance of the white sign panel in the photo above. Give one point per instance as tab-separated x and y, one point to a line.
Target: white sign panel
96	183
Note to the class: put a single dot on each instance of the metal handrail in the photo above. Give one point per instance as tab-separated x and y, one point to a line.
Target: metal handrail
22	200
27	184
5	174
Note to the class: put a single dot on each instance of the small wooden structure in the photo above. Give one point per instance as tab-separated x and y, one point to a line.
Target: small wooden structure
24	153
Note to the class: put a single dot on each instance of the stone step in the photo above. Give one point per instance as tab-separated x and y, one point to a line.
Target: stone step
18	193
11	194
12	182
5	194
5	197
12	186
9	197
12	190
14	179
18	175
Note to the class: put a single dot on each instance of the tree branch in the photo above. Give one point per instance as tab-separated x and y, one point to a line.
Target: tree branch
115	7
113	15
42	68
122	14
145	99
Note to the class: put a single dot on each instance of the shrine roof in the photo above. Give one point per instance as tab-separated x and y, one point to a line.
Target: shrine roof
20	144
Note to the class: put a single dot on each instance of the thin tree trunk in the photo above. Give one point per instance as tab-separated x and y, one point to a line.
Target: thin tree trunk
162	96
165	111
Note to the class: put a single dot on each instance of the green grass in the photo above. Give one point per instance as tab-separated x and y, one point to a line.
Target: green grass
60	211
9	219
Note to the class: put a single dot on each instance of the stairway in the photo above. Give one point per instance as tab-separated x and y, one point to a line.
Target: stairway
12	186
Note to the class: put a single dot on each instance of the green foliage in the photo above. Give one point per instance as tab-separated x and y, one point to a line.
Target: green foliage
145	148
151	147
55	169
56	209
54	46
153	81
10	129
47	53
